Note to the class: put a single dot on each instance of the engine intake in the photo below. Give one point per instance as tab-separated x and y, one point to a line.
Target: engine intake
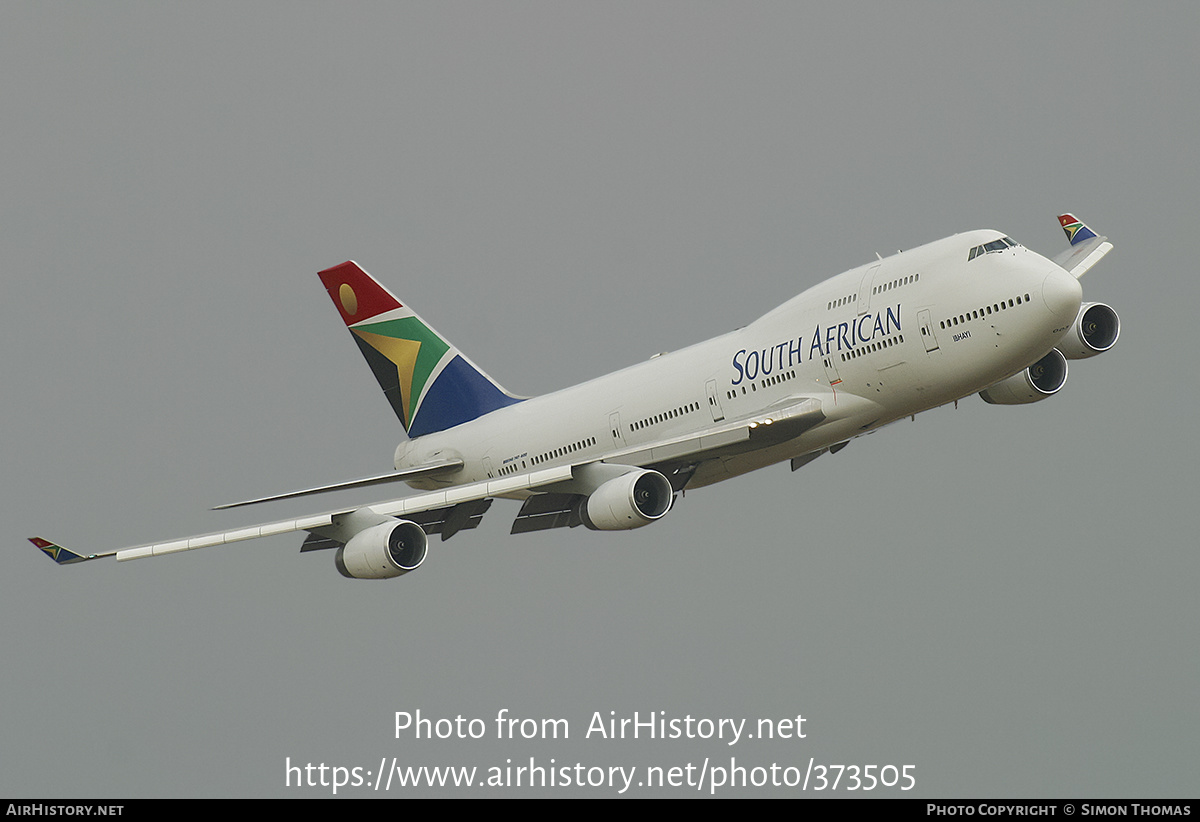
1040	380
631	500
1095	330
383	551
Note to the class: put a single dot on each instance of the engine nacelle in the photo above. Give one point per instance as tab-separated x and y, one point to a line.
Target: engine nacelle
383	551
629	501
1040	380
1095	329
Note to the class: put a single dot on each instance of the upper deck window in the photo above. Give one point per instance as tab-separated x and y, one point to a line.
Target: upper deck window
988	248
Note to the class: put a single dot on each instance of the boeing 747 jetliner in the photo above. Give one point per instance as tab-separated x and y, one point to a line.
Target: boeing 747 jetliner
976	313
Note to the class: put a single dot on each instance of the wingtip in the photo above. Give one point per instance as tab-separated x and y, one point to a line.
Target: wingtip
56	552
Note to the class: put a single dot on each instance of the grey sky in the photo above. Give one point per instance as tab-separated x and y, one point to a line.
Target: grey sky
1002	597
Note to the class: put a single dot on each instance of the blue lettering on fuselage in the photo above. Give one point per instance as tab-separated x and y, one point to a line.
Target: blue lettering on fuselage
752	357
865	319
893	318
825	340
751	365
737	364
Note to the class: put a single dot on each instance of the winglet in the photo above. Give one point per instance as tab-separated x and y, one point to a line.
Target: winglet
1086	249
57	553
1075	230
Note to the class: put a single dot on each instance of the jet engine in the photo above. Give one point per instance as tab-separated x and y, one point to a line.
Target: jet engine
1095	329
631	500
383	551
1038	381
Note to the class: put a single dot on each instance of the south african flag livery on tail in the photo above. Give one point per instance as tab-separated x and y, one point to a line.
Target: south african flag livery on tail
428	381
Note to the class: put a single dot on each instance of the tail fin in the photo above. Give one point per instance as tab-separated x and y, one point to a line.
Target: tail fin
428	381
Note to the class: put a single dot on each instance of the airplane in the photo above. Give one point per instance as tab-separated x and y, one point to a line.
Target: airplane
974	313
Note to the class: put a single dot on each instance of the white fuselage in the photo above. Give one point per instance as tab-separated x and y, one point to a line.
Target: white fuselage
874	344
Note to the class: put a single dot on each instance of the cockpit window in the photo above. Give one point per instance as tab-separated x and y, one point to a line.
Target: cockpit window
993	246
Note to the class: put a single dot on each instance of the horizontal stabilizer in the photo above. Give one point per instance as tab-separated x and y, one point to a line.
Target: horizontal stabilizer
444	467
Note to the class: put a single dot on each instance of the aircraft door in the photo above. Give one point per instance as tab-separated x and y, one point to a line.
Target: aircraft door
714	402
614	426
831	372
864	288
926	323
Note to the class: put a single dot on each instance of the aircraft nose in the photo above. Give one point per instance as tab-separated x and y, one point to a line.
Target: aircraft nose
1062	293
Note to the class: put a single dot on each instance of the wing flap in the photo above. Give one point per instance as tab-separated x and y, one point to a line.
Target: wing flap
541	512
449	521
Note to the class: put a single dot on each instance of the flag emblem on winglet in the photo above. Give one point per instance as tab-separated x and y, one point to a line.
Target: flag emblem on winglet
1075	230
56	552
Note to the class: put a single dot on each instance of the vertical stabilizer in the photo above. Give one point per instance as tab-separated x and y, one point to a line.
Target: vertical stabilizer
428	381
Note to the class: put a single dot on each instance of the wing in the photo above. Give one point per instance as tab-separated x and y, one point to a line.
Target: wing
330	526
552	493
1087	247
